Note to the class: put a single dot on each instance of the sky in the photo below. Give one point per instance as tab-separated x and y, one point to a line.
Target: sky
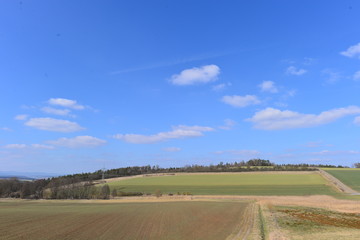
93	84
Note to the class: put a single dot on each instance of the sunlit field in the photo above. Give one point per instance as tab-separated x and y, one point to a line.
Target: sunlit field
229	184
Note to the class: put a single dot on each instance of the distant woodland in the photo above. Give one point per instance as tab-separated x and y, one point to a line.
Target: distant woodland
82	185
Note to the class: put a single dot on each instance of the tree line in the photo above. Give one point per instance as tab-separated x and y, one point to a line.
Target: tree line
82	186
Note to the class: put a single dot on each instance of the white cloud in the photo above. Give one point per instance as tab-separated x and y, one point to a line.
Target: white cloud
220	87
275	119
352	51
78	142
23	146
295	71
6	129
268	86
66	103
229	124
52	124
41	146
204	74
331	76
55	111
241	101
172	149
178	132
15	146
357	120
21	117
356	76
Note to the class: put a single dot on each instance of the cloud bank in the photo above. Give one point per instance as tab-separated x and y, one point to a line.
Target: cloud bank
178	132
275	119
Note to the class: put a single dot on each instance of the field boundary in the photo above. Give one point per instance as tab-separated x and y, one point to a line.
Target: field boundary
337	183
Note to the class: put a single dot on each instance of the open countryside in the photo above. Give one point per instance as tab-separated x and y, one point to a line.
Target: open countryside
180	120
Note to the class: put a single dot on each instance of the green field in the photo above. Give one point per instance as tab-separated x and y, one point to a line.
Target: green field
348	176
229	184
83	220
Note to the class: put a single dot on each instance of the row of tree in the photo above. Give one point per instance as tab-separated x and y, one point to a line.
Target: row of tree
81	186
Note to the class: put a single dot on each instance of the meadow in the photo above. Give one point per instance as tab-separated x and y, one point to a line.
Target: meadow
289	183
151	220
348	176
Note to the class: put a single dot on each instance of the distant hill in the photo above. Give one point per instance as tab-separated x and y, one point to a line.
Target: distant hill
27	175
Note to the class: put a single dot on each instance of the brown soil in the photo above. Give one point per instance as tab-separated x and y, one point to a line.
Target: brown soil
347	220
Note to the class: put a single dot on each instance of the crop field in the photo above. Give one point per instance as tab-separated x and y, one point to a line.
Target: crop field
149	220
350	177
229	184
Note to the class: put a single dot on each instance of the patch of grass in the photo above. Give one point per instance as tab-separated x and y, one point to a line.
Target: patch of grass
230	184
262	225
350	177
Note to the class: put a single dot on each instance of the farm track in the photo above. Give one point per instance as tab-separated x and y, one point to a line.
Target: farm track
337	183
245	225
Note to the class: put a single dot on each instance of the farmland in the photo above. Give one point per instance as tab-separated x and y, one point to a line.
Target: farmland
285	183
151	220
313	223
350	177
220	208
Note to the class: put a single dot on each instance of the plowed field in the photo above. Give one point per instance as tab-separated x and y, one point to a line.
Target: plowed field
157	220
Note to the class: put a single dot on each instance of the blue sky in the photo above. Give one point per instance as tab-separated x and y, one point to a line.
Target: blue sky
87	84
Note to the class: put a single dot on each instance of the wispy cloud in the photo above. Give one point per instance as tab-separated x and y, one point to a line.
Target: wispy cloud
55	111
295	71
78	142
52	124
357	120
228	124
275	119
356	76
268	86
331	76
178	132
204	74
67	103
25	146
241	101
333	153
172	149
173	62
220	87
6	129
317	145
21	117
352	51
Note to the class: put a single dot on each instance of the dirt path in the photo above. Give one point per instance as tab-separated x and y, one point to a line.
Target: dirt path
337	183
245	225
